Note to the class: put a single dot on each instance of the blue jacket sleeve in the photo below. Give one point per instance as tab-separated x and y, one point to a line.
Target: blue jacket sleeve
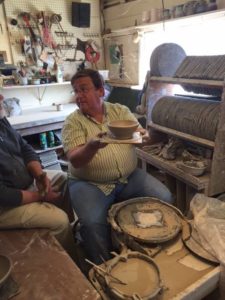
10	197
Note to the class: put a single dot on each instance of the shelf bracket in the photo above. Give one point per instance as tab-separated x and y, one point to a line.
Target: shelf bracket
41	95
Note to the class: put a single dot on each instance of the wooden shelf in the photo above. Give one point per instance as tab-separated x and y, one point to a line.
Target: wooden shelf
184	136
170	23
41	88
193	82
198	183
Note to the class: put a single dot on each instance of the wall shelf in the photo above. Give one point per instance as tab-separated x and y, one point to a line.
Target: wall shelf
41	88
193	82
199	183
182	135
34	85
170	23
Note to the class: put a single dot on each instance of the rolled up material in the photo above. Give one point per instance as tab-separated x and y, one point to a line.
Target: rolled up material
193	116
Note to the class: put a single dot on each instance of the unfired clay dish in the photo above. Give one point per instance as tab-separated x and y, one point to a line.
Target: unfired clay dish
192	169
122	129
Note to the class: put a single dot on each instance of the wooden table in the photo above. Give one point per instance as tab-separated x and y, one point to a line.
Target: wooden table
42	269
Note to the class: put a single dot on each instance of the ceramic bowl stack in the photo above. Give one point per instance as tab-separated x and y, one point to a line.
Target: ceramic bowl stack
122	129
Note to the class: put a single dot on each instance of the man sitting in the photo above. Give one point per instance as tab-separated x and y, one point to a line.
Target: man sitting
27	199
101	174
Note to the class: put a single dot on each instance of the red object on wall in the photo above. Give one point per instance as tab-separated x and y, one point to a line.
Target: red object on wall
91	55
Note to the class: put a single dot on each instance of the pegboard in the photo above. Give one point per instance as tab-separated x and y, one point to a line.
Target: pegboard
67	41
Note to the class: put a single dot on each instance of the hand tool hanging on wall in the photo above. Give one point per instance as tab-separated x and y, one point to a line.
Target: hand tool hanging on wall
92	54
79	47
56	19
47	38
35	40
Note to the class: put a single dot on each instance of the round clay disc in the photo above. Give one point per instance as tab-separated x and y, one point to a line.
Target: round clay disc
147	220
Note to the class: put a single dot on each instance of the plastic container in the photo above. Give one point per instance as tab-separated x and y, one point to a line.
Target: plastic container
59	74
50	139
43	140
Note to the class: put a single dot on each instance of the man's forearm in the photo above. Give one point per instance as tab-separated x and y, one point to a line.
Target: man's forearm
81	155
30	196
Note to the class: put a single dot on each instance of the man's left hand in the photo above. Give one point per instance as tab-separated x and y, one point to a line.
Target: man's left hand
43	184
145	136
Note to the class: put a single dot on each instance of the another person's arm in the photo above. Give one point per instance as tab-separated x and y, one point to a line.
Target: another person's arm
12	197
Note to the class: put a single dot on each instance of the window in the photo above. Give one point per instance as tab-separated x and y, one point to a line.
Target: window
196	38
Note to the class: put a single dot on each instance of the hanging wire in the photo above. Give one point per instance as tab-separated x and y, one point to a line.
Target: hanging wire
163	16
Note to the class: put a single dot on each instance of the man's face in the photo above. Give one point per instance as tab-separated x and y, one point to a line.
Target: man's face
88	98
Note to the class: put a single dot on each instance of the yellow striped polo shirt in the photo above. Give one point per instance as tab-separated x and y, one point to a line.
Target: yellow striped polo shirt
111	164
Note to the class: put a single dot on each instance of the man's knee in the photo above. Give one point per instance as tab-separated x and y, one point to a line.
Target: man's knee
53	217
168	197
60	218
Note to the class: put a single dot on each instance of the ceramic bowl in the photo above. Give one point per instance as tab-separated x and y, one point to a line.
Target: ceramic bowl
193	170
122	129
5	268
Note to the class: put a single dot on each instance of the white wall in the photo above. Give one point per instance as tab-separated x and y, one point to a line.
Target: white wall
201	38
129	14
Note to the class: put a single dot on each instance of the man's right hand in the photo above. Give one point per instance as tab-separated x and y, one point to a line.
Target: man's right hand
96	143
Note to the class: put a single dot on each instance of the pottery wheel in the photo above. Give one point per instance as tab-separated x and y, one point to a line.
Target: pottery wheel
148	220
140	277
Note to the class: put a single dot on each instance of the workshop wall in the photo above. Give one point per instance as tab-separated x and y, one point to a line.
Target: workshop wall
124	30
62	33
67	43
4	39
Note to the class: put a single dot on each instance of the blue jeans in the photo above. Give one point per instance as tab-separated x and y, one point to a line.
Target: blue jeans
91	206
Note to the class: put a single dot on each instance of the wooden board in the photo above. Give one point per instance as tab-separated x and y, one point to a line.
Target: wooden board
42	269
184	136
199	183
137	139
194	82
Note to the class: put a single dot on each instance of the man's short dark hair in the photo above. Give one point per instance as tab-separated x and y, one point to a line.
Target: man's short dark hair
93	74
